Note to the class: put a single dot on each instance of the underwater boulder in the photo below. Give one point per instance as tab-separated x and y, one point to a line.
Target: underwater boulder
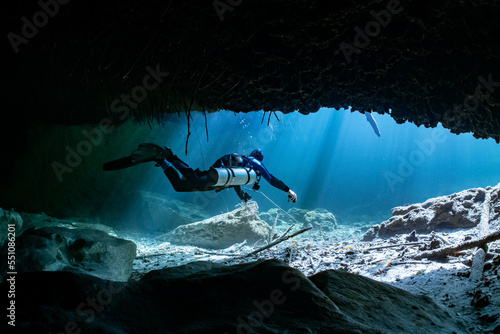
223	230
297	214
383	307
265	296
320	219
87	251
156	213
455	211
274	215
10	222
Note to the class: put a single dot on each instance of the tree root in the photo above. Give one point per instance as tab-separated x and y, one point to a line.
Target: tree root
397	245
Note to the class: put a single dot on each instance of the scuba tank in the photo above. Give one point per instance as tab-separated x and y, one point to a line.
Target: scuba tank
232	176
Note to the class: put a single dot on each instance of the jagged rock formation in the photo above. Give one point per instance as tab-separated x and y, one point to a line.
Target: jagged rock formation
201	297
86	251
427	62
223	230
455	211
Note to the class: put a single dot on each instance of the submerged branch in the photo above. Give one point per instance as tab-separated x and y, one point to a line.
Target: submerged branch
397	245
150	255
206	122
442	252
277	241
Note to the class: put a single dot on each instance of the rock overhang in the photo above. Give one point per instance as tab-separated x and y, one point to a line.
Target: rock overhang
421	62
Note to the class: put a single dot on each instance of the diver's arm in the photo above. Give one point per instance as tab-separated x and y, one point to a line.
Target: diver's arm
274	181
241	194
292	196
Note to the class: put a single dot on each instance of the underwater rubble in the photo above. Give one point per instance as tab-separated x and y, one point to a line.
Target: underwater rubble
391	261
414	262
455	270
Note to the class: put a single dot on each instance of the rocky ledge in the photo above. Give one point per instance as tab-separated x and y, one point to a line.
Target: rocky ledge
203	297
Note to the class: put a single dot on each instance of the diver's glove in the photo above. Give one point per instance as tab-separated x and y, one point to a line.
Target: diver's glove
292	196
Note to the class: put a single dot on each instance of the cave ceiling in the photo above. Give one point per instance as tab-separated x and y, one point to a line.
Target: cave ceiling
426	62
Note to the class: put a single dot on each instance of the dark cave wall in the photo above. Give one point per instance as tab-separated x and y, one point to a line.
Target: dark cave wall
59	172
426	64
125	61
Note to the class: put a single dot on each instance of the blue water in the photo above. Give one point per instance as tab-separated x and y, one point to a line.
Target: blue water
332	159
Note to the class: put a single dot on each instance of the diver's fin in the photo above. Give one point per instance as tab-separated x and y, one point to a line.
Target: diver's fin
145	152
119	164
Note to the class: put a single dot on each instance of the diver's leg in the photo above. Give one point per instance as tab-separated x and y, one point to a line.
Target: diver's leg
191	180
144	153
179	184
118	164
150	152
182	167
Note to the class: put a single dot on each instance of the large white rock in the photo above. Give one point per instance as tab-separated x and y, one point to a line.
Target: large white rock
223	230
85	251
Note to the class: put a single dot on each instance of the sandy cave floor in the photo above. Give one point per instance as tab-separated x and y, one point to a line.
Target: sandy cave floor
448	283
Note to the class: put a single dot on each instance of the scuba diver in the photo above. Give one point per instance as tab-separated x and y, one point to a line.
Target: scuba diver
229	171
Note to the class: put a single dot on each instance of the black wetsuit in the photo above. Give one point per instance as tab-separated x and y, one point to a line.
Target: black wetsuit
197	180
